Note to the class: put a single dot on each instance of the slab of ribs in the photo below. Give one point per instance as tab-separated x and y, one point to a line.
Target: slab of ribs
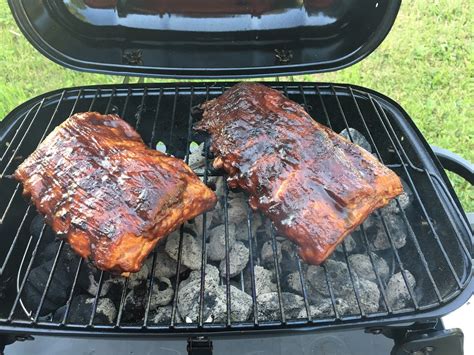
113	198
313	184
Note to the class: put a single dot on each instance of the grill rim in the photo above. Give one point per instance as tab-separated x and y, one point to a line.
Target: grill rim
430	163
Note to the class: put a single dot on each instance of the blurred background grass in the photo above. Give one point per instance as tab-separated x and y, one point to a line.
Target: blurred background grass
425	63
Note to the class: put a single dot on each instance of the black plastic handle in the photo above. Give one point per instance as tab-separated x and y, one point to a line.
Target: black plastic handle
453	162
460	166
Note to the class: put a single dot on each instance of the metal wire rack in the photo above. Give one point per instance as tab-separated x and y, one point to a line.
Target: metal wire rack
438	250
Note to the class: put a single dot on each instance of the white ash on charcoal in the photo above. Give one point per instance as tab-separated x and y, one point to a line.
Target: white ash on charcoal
162	293
197	159
211	276
242	232
263	280
266	254
215	299
268	305
337	275
61	281
81	308
165	266
398	296
197	223
236	212
191	249
357	138
350	244
289	257
397	229
238	259
162	315
89	278
324	308
293	282
369	297
216	245
362	266
137	278
134	305
404	200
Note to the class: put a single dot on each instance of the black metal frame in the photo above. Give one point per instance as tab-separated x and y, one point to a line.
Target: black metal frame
393	122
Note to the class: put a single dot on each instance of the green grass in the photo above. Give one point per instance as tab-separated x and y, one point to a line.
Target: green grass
425	63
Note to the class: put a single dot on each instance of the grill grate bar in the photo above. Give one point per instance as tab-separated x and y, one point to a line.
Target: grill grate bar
178	270
15	240
226	247
127	99
252	265
141	109
71	293
204	229
380	285
352	278
463	221
277	275
123	297
303	288
173	115
155	119
151	280
97	94
331	291
28	269
40	106
17	188
399	261
48	282
111	98
96	299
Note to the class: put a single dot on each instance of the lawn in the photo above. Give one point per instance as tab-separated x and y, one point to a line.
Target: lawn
426	64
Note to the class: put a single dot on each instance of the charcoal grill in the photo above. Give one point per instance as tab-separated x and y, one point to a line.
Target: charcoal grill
438	250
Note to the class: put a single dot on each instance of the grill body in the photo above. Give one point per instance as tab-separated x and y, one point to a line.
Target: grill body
438	252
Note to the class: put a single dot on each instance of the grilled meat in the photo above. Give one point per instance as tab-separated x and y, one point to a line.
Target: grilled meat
313	184
107	193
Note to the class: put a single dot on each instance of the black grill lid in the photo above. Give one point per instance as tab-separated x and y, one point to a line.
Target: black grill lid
205	38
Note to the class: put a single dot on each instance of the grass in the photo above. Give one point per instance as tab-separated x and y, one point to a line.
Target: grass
425	63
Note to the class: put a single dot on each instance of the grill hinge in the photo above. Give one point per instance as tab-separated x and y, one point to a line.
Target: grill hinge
199	346
427	338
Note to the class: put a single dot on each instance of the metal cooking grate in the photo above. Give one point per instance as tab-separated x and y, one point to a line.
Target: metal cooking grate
437	251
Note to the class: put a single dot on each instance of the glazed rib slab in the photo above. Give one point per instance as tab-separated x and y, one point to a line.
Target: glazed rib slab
112	198
313	184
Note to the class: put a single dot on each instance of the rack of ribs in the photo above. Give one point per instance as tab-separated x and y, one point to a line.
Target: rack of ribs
314	185
113	198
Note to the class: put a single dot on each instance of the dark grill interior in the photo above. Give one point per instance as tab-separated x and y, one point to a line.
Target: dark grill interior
436	252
